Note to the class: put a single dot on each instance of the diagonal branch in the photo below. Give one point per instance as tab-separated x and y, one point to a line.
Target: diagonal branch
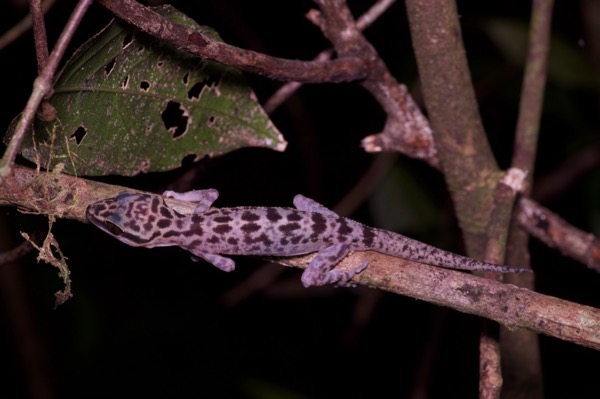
67	196
195	42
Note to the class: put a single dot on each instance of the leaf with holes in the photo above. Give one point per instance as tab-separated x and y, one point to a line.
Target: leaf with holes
127	103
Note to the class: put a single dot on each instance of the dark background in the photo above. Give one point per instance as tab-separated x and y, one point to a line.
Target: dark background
151	323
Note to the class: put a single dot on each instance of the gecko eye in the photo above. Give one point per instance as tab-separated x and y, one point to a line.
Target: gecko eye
113	228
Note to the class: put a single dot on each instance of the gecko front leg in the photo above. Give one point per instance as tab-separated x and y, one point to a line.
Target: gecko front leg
221	262
202	198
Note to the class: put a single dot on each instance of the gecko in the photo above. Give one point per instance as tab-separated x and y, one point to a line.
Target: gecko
145	220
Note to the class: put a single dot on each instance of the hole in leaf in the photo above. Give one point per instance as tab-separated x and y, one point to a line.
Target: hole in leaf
79	134
175	119
186	78
210	82
125	83
109	67
160	64
188	160
144	85
194	92
211	120
127	39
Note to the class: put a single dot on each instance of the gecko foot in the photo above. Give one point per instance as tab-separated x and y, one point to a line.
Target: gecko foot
339	278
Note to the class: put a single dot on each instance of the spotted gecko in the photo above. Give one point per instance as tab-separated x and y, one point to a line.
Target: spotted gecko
145	220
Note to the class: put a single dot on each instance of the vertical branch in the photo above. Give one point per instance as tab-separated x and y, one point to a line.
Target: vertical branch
39	34
532	93
520	350
41	87
467	161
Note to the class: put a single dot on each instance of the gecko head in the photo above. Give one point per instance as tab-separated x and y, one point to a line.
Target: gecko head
130	217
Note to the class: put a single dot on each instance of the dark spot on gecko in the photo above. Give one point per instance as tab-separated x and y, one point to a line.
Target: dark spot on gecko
248	216
163	223
171	233
232	241
273	215
368	236
195	230
147	226
133	226
223	219
289	228
319	224
261	238
344	229
151	218
129	211
214	240
154	206
295	239
135	238
294	216
222	229
250	227
265	239
284	241
197	218
192	245
165	212
179	223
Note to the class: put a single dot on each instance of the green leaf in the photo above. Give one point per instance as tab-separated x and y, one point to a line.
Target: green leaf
127	103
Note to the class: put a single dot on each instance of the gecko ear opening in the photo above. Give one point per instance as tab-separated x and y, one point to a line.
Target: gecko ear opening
113	228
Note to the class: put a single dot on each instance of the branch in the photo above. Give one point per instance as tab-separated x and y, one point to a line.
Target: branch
42	86
39	34
365	20
195	42
467	161
22	26
68	197
521	353
406	129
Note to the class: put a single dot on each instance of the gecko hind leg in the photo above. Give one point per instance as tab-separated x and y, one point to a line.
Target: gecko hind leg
202	198
321	270
303	203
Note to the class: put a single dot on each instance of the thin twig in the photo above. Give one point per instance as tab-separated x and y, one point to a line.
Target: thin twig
365	20
555	232
42	86
22	26
520	349
21	250
490	368
532	92
39	34
490	374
